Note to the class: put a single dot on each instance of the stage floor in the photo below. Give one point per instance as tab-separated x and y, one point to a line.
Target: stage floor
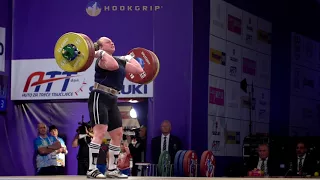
130	178
84	177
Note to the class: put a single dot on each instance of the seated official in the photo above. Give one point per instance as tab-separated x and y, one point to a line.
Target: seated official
266	164
302	164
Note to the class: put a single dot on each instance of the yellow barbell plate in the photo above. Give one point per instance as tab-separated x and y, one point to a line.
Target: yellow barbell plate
77	64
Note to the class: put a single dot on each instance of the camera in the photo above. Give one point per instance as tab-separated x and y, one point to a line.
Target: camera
132	132
82	128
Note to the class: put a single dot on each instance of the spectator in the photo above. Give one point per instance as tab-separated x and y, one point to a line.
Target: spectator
302	164
82	142
264	162
45	147
137	148
60	153
165	142
124	161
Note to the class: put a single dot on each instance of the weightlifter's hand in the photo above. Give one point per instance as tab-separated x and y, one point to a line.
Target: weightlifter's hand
99	53
127	58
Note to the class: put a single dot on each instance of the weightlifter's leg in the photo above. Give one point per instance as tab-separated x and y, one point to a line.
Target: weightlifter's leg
115	132
99	120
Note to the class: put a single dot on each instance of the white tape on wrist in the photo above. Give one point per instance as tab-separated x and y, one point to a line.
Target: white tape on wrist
128	57
102	52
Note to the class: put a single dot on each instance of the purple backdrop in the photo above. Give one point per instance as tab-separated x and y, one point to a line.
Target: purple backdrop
7	155
168	32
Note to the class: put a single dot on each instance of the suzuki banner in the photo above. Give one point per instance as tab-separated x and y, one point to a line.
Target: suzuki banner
42	79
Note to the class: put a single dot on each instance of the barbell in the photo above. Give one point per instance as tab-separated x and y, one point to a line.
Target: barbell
74	52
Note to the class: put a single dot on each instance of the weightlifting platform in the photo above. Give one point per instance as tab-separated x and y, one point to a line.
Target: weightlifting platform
132	178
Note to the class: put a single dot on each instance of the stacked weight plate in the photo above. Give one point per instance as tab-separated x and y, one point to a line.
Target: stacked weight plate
185	164
164	164
207	164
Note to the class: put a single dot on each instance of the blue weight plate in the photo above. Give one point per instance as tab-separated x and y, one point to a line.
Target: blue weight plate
176	163
181	158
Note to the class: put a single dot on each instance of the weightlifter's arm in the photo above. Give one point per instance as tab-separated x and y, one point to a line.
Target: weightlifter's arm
133	66
107	61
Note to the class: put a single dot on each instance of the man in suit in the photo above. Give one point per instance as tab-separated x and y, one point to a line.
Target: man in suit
165	142
303	164
264	162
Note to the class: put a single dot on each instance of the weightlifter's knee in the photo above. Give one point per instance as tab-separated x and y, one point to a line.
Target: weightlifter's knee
116	136
99	132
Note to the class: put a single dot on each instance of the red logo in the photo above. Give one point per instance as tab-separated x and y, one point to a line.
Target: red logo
41	80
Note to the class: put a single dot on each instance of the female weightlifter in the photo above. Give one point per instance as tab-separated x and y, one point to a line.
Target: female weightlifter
105	116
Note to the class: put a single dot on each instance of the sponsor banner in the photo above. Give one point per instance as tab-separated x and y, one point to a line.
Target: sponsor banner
264	33
216	131
42	79
234	24
217	57
234	20
249	27
233	64
2	48
218	19
264	36
232	99
232	137
249	66
216	96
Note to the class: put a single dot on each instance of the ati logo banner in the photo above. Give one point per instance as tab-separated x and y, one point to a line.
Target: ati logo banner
47	79
217	57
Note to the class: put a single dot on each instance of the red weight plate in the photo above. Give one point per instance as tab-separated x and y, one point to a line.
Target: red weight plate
207	164
158	64
150	66
91	52
190	162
